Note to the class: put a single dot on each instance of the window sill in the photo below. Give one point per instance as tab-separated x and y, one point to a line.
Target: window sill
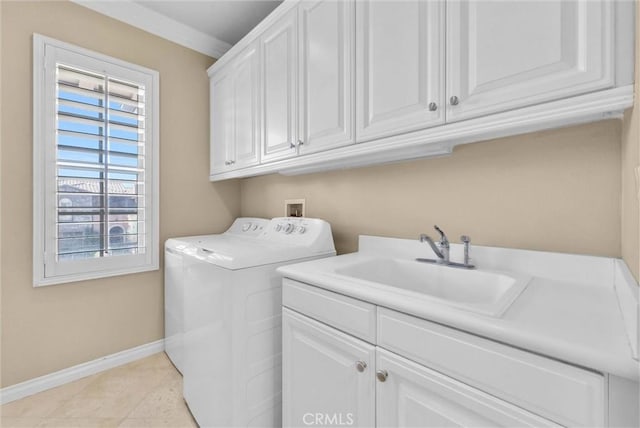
63	279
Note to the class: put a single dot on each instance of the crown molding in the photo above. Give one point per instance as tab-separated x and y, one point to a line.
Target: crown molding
160	25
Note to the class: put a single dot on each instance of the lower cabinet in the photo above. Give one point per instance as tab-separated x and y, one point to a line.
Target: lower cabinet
411	395
333	379
328	376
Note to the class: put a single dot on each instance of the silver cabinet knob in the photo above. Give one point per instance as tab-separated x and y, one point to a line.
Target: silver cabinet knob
454	100
382	375
292	145
360	366
227	163
433	106
300	142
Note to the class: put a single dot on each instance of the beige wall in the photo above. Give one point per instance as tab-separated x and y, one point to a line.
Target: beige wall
558	190
555	190
630	161
50	328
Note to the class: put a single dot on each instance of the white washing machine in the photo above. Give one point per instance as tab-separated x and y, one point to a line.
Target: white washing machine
174	279
232	342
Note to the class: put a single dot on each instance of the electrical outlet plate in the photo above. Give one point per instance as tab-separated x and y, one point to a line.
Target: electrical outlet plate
294	208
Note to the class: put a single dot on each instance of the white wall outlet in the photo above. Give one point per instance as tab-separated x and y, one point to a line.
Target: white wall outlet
294	207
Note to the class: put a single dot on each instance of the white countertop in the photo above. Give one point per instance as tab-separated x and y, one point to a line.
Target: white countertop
569	311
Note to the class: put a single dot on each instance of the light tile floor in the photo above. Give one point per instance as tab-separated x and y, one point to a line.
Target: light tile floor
144	393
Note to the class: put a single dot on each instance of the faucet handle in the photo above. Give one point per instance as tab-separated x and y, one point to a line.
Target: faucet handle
443	237
465	239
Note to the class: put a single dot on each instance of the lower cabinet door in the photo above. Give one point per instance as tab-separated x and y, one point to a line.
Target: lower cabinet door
328	376
411	395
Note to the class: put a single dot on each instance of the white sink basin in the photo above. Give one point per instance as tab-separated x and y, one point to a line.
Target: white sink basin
486	292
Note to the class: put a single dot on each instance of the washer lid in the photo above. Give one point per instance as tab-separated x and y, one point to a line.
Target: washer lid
248	227
237	253
181	243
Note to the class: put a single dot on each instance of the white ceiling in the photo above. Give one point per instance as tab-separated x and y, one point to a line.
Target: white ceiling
208	26
225	20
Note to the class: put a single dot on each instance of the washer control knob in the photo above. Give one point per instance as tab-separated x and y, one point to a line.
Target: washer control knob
302	229
278	227
255	227
246	227
289	228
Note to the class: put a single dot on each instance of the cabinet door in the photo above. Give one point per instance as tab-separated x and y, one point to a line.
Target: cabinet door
415	396
400	66
279	69
321	383
221	119
503	55
246	147
325	73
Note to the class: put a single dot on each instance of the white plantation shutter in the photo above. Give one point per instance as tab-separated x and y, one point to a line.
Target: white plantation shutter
97	145
100	165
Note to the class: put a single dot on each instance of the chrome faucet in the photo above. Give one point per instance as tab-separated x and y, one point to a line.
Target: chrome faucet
441	250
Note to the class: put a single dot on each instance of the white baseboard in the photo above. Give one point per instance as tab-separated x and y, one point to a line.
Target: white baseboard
42	383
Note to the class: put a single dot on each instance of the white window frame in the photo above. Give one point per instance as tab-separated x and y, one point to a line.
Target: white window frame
46	53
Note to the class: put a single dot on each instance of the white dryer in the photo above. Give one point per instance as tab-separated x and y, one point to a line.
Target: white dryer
232	342
174	279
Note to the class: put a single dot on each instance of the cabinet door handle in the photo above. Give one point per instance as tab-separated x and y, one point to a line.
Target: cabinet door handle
454	100
382	375
433	106
300	142
227	163
360	366
292	145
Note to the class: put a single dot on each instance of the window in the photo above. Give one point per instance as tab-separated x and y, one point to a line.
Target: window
95	165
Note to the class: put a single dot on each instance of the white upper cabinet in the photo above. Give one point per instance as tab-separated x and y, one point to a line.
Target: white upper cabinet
503	55
279	81
235	126
400	66
326	74
246	87
221	99
412	78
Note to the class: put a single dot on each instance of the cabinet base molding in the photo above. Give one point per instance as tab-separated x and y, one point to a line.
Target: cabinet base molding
440	141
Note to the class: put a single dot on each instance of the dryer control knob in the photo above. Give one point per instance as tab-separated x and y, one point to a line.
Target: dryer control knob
246	227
